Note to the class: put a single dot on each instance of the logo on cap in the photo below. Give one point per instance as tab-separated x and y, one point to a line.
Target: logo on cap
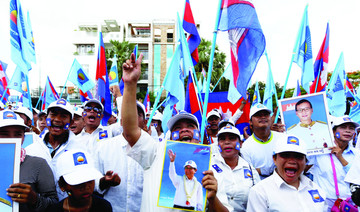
228	126
316	196
293	140
61	102
346	119
260	106
196	135
103	134
247	173
9	115
79	158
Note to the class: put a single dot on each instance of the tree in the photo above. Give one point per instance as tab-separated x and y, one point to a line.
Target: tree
122	50
218	64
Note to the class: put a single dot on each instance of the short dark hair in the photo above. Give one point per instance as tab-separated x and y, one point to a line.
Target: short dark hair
140	111
302	101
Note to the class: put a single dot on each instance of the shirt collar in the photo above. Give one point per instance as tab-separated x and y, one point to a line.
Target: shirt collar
257	139
280	182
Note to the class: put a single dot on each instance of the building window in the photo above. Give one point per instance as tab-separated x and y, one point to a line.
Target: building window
170	35
157	35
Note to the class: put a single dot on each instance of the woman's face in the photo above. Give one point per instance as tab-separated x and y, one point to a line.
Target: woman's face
289	166
81	192
345	132
227	143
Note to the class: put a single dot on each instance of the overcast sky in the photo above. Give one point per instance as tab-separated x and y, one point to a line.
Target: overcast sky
54	21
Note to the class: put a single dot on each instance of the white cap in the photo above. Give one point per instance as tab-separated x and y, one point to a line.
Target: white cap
182	115
2	105
78	111
23	110
229	129
95	101
289	143
213	112
63	104
139	104
157	116
36	110
41	113
76	167
9	118
258	107
226	122
342	120
190	163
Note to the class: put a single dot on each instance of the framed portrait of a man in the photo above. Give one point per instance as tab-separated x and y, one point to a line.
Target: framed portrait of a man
307	117
10	149
181	186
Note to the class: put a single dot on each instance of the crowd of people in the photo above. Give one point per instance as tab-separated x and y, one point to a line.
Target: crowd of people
76	164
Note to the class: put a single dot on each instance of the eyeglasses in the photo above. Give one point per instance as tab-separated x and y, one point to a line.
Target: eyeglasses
95	109
294	155
301	110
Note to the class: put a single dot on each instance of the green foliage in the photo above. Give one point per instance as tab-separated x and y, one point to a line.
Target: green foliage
122	50
218	64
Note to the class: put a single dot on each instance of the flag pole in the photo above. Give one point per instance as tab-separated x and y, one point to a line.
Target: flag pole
37	104
291	62
219	79
28	91
202	131
3	95
197	93
62	90
269	65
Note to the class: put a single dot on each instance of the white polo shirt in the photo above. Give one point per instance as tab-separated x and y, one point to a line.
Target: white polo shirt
259	153
274	194
237	182
150	155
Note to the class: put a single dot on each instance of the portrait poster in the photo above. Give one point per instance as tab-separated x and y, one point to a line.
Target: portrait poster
10	149
180	187
308	118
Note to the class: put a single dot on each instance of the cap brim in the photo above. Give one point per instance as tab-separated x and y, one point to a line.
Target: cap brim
172	121
82	176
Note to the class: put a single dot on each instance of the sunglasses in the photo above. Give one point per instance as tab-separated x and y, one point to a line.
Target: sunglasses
95	109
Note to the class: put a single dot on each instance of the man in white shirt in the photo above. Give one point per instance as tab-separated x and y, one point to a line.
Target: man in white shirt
258	148
188	194
146	151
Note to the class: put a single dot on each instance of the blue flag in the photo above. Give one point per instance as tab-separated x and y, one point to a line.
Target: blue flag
256	96
336	89
4	80
20	52
303	53
247	41
31	42
233	93
297	91
79	77
269	91
49	95
113	74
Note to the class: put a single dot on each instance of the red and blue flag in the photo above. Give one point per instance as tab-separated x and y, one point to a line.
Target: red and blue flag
194	37
247	41
79	77
49	95
297	91
321	65
102	82
85	96
4	83
146	102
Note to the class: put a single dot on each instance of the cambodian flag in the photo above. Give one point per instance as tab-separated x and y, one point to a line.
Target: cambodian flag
321	65
146	102
349	85
3	83
256	96
49	94
85	96
194	37
102	82
247	41
192	103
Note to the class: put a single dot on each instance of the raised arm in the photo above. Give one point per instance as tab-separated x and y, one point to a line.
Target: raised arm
131	74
